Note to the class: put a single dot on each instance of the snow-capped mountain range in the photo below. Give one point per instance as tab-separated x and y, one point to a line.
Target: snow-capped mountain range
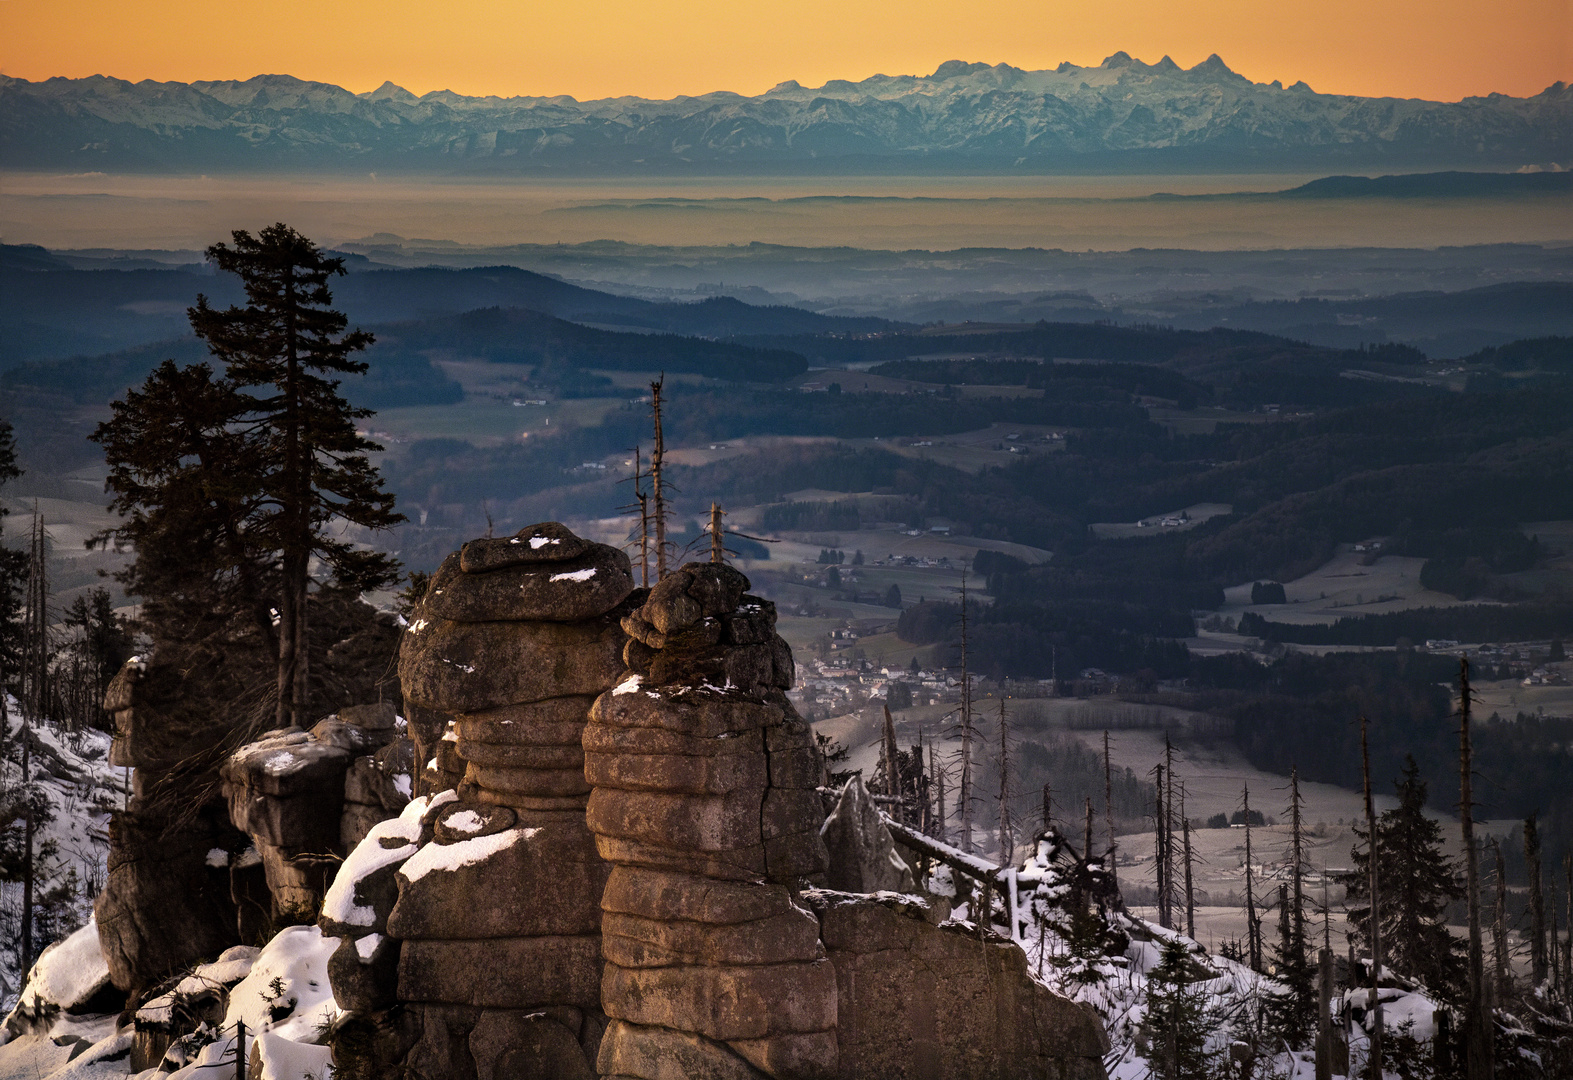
1121	115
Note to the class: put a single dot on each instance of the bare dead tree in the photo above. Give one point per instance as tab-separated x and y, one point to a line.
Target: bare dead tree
965	801
1108	808
1048	808
1567	943
1297	854
1190	890
1160	862
1538	965
1253	932
939	794
1374	923
1007	836
1553	949
1168	829
1479	1031
658	493
1503	985
717	545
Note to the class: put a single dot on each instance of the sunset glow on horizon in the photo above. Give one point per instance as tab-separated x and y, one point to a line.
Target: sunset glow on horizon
1444	50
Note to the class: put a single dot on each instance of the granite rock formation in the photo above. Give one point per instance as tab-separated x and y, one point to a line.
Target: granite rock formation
705	801
166	903
290	793
491	945
923	999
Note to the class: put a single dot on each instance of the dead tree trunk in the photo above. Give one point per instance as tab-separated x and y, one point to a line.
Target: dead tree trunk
1170	892
1007	837
658	493
965	804
1190	889
717	546
1297	870
939	795
1374	923
1324	1017
1160	858
1253	938
1108	807
1537	904
1479	1033
1503	985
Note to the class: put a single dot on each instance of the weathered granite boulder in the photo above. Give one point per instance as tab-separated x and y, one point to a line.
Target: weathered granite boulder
654	1053
497	917
464	667
863	856
568	591
918	1000
166	902
711	968
548	542
547	880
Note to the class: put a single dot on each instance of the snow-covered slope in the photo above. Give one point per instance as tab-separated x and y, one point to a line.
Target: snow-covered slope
1122	113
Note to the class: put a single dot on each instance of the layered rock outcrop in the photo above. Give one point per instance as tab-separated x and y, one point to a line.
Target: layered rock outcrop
170	896
704	799
291	793
495	919
923	999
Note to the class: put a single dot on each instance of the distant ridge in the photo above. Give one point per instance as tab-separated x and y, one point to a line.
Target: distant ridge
1122	115
1435	185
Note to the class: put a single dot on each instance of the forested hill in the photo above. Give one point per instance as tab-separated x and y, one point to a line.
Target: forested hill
50	309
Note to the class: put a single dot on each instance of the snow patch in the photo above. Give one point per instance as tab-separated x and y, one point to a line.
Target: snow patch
627	686
575	575
369	856
450	857
465	821
218	858
68	972
366	947
538	542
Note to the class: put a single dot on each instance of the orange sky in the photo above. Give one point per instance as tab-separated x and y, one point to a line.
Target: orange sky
1440	49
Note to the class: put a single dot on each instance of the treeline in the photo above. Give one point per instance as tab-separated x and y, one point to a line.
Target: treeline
1129	378
721	414
1042	641
1472	622
1528	354
519	336
394	378
816	516
1303	712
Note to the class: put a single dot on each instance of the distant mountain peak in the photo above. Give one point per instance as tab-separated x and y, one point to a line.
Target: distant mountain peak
967	115
951	69
1215	67
390	91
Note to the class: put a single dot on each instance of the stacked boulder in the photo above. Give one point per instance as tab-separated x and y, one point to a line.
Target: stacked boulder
705	801
289	793
497	921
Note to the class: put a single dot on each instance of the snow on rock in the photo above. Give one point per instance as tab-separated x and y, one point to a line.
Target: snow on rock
284	1059
575	575
66	975
286	997
388	843
232	966
464	853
